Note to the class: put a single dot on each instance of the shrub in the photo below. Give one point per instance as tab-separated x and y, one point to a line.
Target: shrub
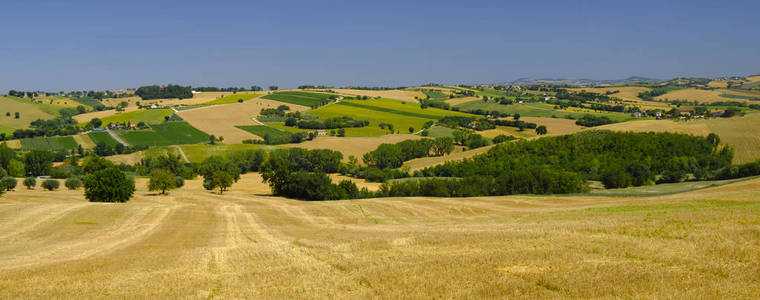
108	185
73	183
30	183
51	184
179	181
9	183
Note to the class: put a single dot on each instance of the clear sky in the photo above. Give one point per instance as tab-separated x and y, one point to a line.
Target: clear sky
75	45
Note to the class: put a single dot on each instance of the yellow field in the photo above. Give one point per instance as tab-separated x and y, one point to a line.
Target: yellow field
84	140
198	98
28	113
14	144
739	132
195	244
718	84
708	96
630	93
355	146
83	118
220	120
391	94
457	101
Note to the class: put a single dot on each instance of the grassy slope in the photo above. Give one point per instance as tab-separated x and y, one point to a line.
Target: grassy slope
197	153
300	98
49	143
28	113
232	99
261	130
169	133
104	137
377	111
149	116
538	110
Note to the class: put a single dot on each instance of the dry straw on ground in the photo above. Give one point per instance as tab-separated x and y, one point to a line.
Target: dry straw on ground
244	244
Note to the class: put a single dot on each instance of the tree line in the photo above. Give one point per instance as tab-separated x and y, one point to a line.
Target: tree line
164	92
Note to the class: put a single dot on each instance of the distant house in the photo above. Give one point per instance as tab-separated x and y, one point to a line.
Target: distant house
636	114
153	106
321	132
98	129
716	114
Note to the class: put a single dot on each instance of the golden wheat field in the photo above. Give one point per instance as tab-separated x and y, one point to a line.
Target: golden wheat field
220	120
402	95
741	133
630	93
707	96
246	244
355	146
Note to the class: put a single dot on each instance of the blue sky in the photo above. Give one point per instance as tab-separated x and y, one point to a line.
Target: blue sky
56	45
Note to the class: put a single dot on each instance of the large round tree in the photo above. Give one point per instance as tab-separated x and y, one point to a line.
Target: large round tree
108	185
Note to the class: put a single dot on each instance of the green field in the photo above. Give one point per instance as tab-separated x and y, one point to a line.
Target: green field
231	99
436	95
735	96
664	189
197	153
261	130
401	114
538	110
299	98
91	102
149	116
440	131
165	134
49	143
104	137
7	130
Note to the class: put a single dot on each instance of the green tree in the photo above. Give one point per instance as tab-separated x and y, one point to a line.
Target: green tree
713	138
108	185
96	122
73	183
616	177
273	87
219	179
51	184
179	181
30	183
442	146
9	183
38	162
161	180
94	163
516	116
541	130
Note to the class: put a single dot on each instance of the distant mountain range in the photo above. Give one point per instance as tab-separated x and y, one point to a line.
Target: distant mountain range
582	82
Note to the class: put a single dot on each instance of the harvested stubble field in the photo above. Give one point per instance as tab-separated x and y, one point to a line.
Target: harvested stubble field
708	96
28	113
244	244
624	92
355	146
220	120
403	95
198	98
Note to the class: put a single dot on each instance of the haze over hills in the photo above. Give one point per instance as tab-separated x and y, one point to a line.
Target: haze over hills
582	82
